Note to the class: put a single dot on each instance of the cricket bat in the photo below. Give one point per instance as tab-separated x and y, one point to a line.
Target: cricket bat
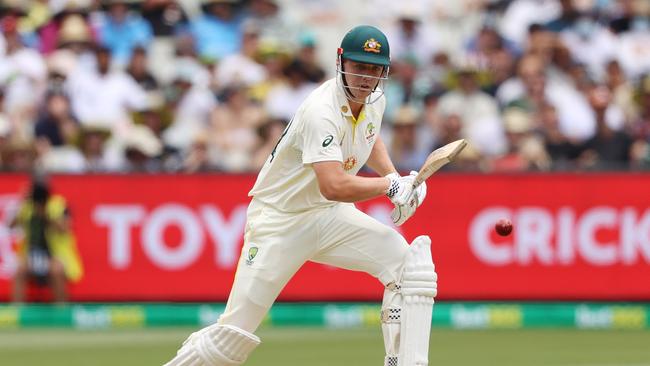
438	158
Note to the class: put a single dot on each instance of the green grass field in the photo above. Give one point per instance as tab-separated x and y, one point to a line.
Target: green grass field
321	347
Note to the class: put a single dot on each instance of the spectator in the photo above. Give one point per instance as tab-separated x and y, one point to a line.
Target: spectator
51	33
138	70
409	39
525	151
217	31
242	68
607	149
561	149
404	149
166	17
269	134
198	159
233	129
92	144
56	125
477	110
283	100
276	28
48	253
192	103
122	31
142	150
104	95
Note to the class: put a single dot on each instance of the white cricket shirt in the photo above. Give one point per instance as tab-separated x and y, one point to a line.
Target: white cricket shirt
323	129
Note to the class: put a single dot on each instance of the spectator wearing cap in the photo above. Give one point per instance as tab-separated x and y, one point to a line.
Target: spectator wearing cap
75	49
50	34
404	149
477	109
525	150
157	117
122	30
242	68
92	144
141	151
307	54
217	32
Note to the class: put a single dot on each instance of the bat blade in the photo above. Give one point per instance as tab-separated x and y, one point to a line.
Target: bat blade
438	158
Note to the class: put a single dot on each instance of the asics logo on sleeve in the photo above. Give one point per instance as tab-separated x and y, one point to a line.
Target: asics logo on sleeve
328	140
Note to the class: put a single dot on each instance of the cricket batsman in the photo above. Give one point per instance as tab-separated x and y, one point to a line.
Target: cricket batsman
302	210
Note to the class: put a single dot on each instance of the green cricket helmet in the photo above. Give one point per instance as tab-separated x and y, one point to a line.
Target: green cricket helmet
366	44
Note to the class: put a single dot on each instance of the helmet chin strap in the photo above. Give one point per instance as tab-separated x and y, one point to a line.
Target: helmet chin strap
373	97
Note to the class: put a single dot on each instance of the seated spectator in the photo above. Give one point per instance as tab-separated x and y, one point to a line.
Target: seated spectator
92	144
48	253
51	33
525	151
242	68
477	110
217	31
103	94
283	100
269	134
608	148
404	149
166	17
56	125
122	31
142	150
233	129
139	71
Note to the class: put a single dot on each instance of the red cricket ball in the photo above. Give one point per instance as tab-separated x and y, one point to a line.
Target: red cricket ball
503	227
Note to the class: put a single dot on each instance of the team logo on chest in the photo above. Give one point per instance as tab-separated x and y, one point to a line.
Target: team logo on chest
370	133
349	163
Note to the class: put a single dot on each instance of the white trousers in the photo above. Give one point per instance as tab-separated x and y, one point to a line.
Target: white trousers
277	244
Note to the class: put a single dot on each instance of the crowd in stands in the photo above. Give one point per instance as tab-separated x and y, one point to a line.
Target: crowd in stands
121	86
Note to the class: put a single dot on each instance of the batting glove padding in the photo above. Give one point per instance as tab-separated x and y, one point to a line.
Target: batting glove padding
400	188
401	213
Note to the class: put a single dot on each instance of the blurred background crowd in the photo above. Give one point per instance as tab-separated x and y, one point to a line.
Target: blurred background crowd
193	86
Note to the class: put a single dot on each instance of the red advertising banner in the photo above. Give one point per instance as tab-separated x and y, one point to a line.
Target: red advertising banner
158	238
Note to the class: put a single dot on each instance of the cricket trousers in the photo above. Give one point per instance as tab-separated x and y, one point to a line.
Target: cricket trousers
277	244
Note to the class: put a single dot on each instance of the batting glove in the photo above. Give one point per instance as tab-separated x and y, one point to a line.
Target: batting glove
401	213
400	188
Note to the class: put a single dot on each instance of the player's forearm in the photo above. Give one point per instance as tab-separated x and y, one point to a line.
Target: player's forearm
351	188
379	161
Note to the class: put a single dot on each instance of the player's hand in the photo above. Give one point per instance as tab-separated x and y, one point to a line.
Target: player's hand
401	213
400	188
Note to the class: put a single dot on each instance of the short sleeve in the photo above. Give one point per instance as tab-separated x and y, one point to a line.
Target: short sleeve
320	140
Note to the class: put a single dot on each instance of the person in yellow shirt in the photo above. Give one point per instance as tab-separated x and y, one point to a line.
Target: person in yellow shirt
47	251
